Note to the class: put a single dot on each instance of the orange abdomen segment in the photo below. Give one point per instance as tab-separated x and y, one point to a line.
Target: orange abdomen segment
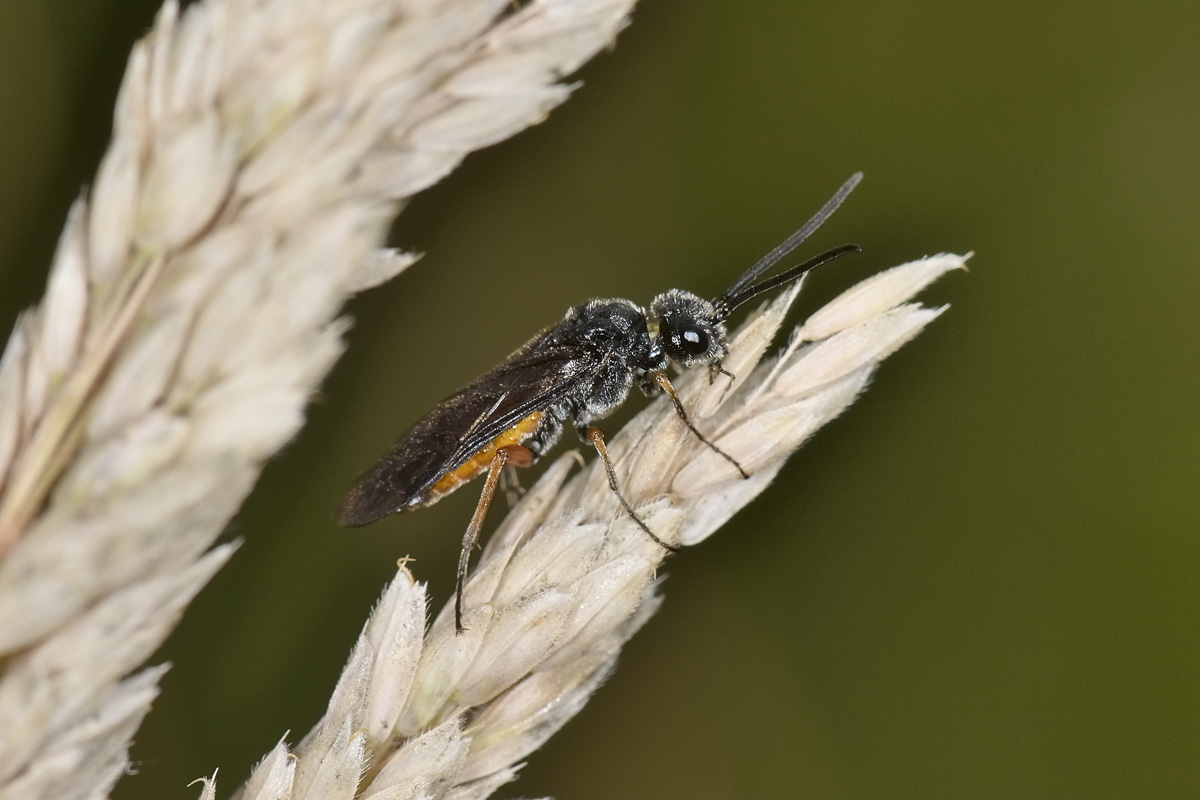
479	462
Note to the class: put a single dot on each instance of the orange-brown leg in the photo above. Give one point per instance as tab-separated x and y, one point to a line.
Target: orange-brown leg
513	454
595	437
661	379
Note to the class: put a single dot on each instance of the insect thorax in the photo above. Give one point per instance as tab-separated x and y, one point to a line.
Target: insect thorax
616	347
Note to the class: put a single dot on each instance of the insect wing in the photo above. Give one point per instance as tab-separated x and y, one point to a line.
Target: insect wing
531	379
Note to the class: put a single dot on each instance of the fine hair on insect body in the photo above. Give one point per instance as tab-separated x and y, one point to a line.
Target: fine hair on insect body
581	369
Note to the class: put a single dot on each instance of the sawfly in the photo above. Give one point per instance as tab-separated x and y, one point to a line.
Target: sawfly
580	369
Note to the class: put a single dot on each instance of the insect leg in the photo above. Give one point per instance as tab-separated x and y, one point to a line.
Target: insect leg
595	437
715	369
513	455
660	378
510	484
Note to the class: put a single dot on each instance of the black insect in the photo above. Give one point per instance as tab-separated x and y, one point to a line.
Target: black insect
582	368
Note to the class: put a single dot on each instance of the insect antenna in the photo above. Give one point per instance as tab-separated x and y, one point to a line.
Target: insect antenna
728	302
741	290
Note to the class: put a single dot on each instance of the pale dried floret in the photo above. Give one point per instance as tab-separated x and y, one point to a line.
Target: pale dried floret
271	779
394	635
12	395
877	294
336	765
260	150
380	266
66	299
427	765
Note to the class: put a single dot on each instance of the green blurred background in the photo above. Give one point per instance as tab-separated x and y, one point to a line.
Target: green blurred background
980	582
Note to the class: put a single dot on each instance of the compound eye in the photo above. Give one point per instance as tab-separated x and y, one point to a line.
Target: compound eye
693	341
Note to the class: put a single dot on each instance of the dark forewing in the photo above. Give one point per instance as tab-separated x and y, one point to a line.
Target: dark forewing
531	379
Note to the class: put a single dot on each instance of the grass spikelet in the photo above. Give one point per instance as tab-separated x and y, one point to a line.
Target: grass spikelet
260	150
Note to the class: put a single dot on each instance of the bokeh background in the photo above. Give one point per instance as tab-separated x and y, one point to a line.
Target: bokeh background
982	581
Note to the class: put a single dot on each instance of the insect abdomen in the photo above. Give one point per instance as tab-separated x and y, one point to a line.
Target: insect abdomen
478	463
